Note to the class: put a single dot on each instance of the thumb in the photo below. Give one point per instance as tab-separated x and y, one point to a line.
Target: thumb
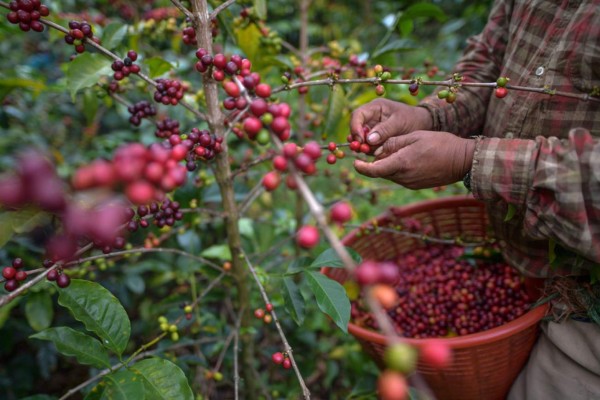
379	168
383	131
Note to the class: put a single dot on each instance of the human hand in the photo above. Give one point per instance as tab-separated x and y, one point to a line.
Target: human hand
421	159
386	119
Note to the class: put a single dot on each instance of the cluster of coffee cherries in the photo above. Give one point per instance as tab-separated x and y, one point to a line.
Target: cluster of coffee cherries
56	275
263	315
188	34
168	328
126	66
335	153
167	128
77	33
357	146
282	359
169	91
146	172
141	109
14	275
163	214
27	14
303	158
260	117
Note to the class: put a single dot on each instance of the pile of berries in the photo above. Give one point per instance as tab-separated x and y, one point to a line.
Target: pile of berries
169	91
282	359
27	14
260	313
139	110
124	68
205	146
78	32
439	293
167	128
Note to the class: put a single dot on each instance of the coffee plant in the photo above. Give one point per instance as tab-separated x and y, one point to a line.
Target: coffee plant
177	174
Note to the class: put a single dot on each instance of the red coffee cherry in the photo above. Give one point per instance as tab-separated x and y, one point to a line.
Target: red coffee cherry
308	236
277	357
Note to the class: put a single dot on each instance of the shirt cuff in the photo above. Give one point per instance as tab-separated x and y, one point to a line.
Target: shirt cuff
438	117
502	169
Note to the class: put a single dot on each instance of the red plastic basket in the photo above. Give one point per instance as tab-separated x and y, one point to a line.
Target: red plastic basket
485	364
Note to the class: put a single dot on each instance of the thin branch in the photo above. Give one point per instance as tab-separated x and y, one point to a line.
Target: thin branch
286	345
184	10
220	8
256	191
259	160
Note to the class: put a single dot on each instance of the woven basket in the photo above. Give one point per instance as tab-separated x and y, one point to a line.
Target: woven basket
485	364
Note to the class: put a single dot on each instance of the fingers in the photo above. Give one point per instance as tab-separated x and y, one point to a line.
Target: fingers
393	144
381	168
360	118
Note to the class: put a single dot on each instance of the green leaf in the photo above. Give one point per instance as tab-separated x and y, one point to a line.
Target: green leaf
330	258
163	380
510	213
218	251
246	227
113	35
135	283
85	71
331	298
260	6
120	385
396	46
294	301
425	9
90	106
298	265
39	311
335	108
21	221
5	310
9	84
248	40
70	342
99	311
405	25
158	66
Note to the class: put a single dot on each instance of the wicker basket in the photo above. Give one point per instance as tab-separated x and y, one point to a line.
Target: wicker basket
485	364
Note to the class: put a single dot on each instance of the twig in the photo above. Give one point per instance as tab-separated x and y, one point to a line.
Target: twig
259	160
220	8
184	10
286	345
256	191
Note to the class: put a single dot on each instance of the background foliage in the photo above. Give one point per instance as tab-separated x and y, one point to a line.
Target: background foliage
38	109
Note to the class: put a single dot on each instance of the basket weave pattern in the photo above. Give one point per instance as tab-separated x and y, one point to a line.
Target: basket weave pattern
484	364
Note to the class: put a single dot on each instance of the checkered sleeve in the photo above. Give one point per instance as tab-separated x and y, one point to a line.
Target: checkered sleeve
480	62
554	182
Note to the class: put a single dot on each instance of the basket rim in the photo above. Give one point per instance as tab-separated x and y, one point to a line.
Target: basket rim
519	324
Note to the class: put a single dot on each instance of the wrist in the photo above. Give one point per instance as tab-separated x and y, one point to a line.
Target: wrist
424	119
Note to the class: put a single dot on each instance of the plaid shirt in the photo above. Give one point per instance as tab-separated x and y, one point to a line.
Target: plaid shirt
537	152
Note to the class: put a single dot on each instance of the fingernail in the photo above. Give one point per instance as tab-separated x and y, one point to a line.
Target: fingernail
374	138
378	151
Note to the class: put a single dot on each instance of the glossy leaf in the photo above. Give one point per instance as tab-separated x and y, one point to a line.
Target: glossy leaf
260	6
120	385
330	258
70	342
163	380
219	251
294	301
85	71
425	9
39	311
99	311
158	66
335	108
331	298
113	35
